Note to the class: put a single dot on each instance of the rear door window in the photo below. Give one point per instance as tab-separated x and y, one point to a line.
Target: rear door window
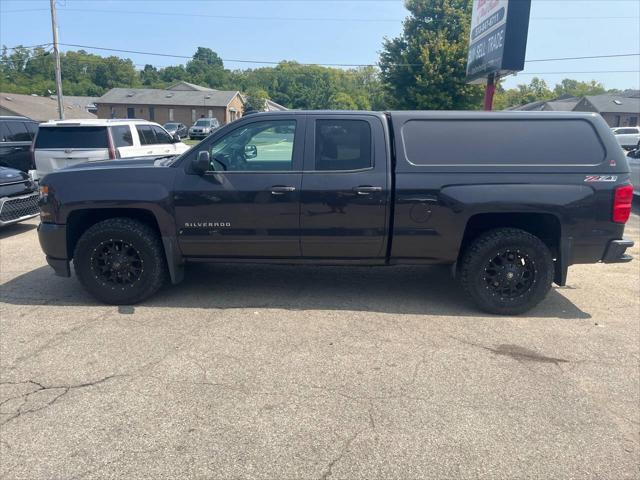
161	135
72	137
17	132
121	135
147	137
4	132
32	128
342	145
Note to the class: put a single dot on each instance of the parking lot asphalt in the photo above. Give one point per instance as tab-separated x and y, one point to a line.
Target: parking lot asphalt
273	372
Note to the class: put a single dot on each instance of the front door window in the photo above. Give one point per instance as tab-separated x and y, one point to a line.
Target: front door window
259	146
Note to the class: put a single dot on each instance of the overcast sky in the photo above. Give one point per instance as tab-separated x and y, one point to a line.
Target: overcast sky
338	32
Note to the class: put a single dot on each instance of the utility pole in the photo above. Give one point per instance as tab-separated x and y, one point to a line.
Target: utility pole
56	53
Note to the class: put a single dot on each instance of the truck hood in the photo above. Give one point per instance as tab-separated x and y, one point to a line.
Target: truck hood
134	162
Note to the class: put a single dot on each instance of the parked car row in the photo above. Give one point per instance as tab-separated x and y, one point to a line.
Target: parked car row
202	128
66	143
627	137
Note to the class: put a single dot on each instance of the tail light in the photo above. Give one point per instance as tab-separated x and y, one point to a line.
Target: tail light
113	152
622	199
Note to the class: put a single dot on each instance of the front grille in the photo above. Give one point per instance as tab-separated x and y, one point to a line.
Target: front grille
15	208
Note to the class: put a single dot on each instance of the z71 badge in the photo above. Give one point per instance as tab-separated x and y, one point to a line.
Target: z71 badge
601	178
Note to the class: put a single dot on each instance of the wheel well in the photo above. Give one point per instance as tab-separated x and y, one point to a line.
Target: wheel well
543	225
80	220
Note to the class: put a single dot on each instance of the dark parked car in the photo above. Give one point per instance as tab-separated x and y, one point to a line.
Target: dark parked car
18	196
16	135
179	129
475	190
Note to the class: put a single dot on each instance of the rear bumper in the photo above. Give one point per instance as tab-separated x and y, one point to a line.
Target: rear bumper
615	251
53	240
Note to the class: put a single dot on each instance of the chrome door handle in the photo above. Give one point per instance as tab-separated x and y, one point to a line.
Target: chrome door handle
281	189
150	152
366	189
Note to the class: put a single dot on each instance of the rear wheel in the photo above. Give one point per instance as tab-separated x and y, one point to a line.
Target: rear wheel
120	261
507	271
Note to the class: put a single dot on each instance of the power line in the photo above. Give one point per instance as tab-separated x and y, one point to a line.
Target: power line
231	60
347	73
583	58
270	62
276	18
565	73
190	57
28	46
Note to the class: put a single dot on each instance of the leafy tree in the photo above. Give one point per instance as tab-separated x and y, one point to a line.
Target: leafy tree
206	68
173	74
536	90
576	88
255	100
115	72
425	67
342	101
149	75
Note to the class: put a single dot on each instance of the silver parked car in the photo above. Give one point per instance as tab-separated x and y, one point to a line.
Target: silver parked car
203	128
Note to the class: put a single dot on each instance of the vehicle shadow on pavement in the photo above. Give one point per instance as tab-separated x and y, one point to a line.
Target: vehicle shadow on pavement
398	290
16	229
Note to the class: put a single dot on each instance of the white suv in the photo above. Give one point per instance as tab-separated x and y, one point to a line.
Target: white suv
63	143
627	137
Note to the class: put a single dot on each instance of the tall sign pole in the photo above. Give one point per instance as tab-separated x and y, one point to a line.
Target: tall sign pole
489	90
56	53
497	42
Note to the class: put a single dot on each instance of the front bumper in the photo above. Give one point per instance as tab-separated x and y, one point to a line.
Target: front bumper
18	209
615	251
53	240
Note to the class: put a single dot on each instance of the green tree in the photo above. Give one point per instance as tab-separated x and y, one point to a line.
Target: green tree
206	68
255	99
536	90
576	88
149	75
173	74
115	72
425	67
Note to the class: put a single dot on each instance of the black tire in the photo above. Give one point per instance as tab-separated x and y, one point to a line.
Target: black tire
120	261
506	271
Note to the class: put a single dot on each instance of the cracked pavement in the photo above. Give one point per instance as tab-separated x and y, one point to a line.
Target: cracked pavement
265	372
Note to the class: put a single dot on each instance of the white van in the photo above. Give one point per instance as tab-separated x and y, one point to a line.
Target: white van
63	143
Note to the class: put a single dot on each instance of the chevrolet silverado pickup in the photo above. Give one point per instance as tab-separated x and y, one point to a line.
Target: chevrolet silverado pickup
510	200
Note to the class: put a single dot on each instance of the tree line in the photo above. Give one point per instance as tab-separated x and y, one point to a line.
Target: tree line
422	68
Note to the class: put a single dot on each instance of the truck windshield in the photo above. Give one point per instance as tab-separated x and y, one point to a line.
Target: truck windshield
72	137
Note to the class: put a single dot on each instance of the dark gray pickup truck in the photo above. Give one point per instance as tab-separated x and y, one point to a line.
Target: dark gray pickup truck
510	199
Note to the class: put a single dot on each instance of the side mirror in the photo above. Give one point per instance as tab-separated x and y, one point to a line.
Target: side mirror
202	163
250	151
176	138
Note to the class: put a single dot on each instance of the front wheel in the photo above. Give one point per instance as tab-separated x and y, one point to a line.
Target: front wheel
506	271
120	261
